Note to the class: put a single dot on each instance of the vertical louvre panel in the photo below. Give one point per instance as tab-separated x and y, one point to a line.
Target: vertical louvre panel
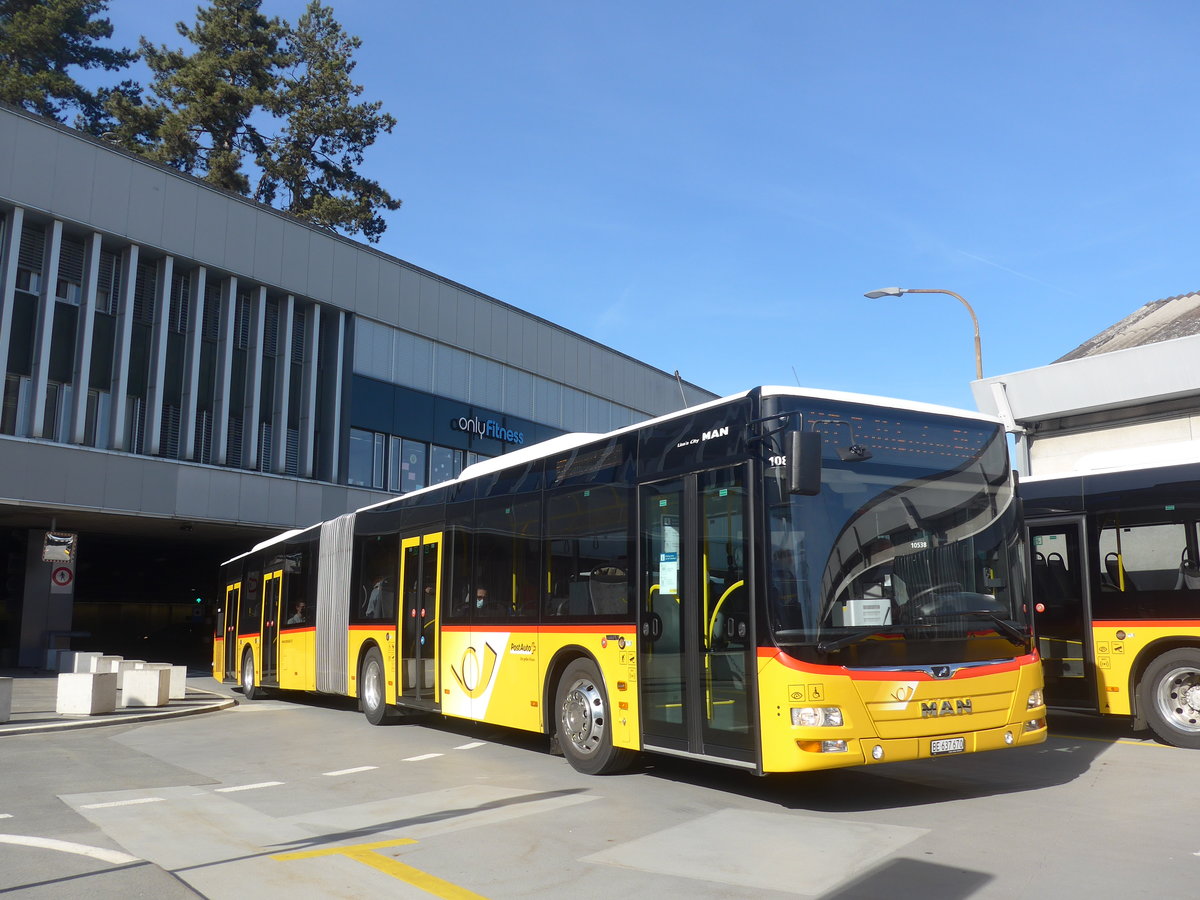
109	286
233	452
243	321
32	246
137	424
170	432
143	293
298	335
264	446
181	296
271	331
212	312
292	462
202	452
70	261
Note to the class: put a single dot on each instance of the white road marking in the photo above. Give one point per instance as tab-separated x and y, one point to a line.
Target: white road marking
351	771
471	746
108	856
248	787
419	758
123	803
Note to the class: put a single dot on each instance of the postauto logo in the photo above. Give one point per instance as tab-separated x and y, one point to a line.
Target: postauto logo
487	428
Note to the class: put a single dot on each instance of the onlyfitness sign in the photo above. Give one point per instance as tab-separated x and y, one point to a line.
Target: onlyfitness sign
488	428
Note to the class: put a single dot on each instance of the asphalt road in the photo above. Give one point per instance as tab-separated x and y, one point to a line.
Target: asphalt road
304	799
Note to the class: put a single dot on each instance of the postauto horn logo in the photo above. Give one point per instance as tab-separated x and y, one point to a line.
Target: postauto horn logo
488	428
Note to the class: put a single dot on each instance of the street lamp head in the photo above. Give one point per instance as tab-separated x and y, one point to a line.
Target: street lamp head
884	292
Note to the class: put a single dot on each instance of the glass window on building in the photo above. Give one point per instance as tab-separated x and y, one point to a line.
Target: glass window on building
413	465
444	464
362	458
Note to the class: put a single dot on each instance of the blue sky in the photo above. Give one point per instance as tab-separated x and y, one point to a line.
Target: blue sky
711	187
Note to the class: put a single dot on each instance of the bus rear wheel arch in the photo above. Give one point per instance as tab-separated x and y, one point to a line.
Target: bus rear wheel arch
582	721
1169	697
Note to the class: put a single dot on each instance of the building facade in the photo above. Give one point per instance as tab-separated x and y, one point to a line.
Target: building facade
1126	397
187	372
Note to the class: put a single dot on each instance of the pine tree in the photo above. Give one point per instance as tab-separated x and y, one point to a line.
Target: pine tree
201	119
312	166
40	40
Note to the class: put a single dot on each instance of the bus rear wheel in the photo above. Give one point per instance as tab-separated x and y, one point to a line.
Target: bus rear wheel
1169	697
584	728
372	689
249	690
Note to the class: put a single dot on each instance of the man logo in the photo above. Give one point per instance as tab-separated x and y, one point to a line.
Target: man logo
472	679
933	708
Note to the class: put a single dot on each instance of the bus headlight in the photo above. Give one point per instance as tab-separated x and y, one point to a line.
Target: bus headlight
1035	699
817	716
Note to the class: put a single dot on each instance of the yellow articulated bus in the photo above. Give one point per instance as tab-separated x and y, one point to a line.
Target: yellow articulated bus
1116	592
781	580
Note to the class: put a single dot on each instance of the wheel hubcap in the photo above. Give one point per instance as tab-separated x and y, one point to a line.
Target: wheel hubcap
371	689
583	716
1179	699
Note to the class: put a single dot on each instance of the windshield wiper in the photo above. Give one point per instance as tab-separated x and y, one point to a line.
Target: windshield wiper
1002	627
855	636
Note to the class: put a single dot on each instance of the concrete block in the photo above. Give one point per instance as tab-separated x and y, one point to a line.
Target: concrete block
64	661
84	661
86	693
178	682
5	699
146	687
124	667
107	664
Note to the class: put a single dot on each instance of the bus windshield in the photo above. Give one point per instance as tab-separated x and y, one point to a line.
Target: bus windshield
909	555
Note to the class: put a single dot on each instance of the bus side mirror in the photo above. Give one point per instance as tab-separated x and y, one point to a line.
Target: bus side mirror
804	463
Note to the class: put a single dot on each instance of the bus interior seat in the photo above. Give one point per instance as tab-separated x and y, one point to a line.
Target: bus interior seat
1189	573
608	589
1117	573
1060	580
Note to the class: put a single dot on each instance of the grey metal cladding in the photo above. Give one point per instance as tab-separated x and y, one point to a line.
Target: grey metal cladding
8	154
268	249
146	204
73	176
319	268
241	223
296	242
35	157
212	218
110	194
366	300
344	283
179	216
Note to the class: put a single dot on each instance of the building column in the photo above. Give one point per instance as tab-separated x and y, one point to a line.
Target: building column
283	385
14	223
252	403
122	345
191	362
308	391
158	355
43	335
224	374
82	372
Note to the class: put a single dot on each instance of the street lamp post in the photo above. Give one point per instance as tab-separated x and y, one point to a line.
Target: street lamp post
896	292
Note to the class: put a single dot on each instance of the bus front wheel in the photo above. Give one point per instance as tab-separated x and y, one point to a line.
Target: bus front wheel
1169	697
372	689
584	728
249	690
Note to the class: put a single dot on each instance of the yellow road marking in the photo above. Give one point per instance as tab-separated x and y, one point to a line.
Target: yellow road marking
365	854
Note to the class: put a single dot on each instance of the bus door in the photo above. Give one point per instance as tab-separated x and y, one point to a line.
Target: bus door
1061	616
272	582
696	662
420	568
233	596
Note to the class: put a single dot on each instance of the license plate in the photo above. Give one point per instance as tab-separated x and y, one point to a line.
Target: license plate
942	746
